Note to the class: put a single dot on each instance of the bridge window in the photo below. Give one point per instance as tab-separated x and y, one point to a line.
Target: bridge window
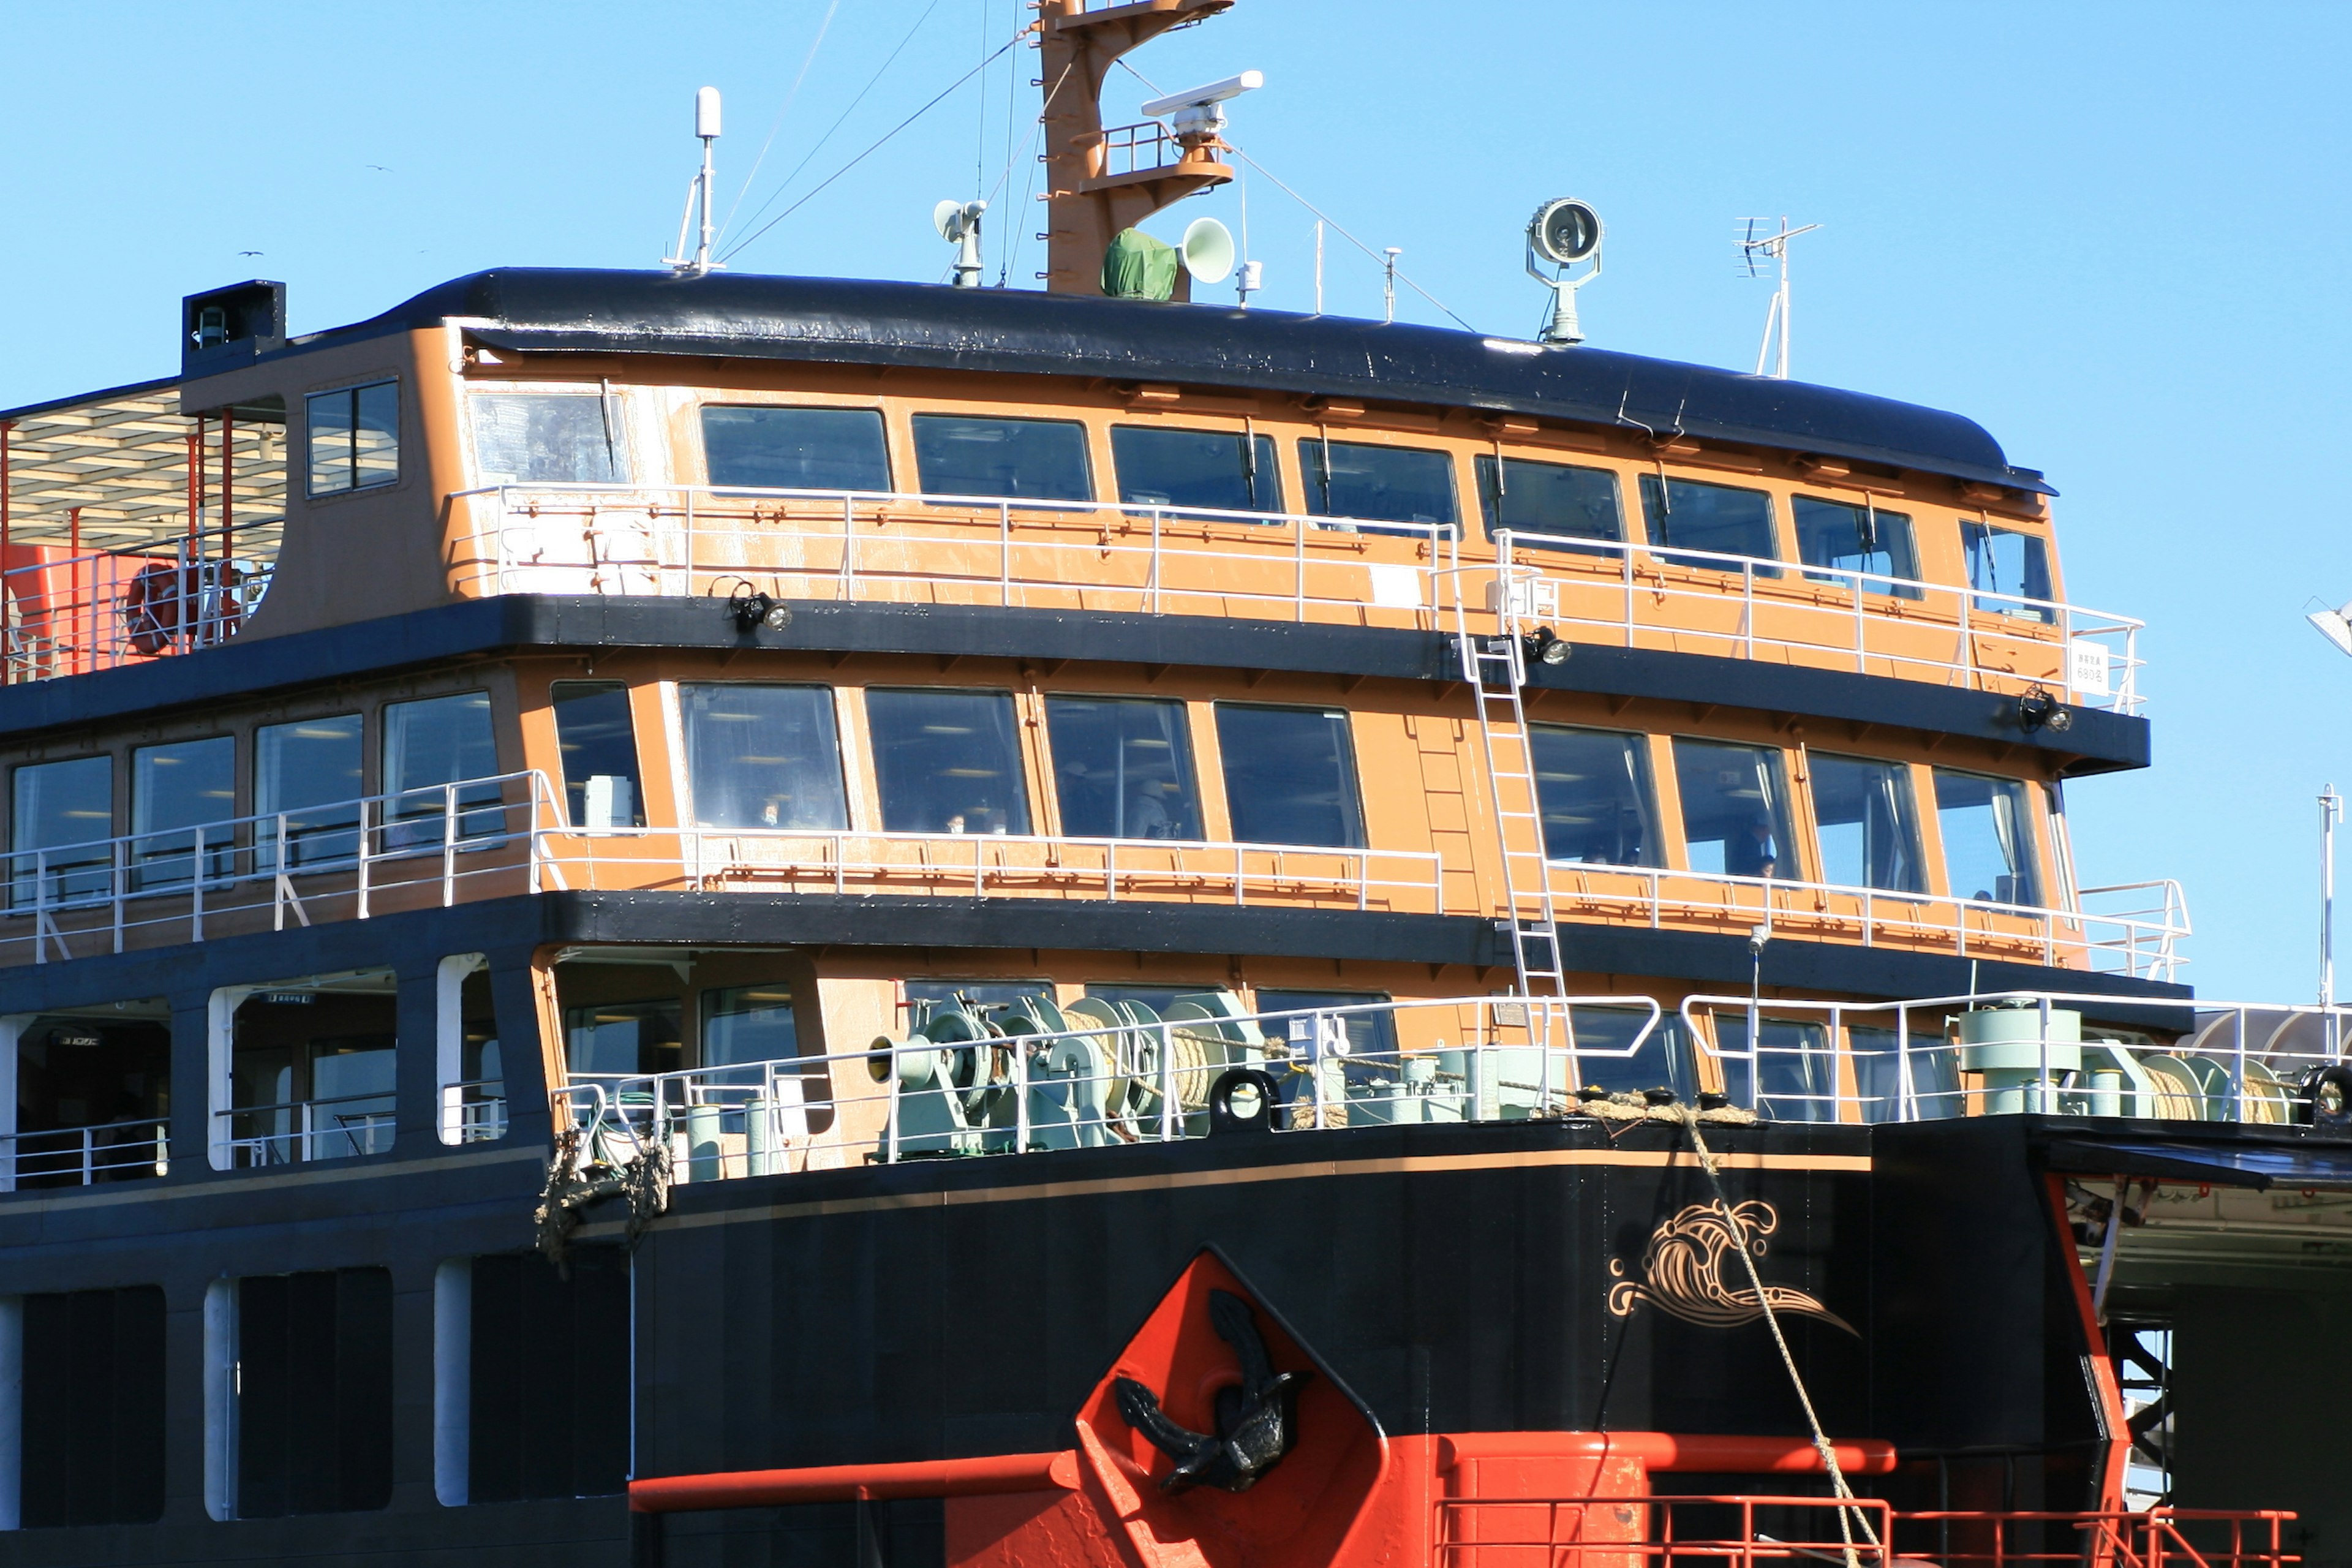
354	434
1551	499
1720	520
1878	1074
1735	802
308	773
88	1417
89	1089
175	788
597	741
431	743
1593	787
1222	470
1355	479
749	1024
1290	775
763	756
1987	829
1868	827
309	1069
314	1391
545	1416
1858	539
948	762
1028	460
1794	1075
1123	769
66	810
2013	565
547	438
1607	1033
623	1037
795	449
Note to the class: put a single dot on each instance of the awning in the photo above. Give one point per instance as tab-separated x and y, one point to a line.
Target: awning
2220	1166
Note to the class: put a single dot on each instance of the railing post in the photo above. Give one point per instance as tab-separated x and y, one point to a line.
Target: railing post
117	875
89	1156
1748	604
1298	569
687	554
1167	1084
448	844
1004	553
196	890
1155	561
1020	1095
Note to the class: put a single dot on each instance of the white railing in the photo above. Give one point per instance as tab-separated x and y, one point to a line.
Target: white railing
2142	942
683	541
293	1132
474	1111
70	611
1643	595
1148	1080
78	1156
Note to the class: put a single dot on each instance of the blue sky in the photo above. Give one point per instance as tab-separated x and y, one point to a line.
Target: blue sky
2113	235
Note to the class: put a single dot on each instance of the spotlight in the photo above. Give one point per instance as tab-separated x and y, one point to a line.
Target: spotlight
1547	647
2037	709
752	609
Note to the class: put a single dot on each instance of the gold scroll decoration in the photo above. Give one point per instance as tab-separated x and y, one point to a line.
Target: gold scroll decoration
1683	1271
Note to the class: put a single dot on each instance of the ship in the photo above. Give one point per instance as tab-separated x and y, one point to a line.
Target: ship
684	918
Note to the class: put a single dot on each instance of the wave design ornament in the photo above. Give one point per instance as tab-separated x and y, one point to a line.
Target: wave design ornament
1683	1271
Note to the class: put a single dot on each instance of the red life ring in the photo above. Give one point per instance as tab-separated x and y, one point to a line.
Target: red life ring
159	599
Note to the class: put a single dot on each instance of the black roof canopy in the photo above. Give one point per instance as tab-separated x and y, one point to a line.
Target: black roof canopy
857	321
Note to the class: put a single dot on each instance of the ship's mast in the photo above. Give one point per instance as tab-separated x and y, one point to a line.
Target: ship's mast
1098	182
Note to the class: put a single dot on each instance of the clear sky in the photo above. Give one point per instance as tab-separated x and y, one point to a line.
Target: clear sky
2114	235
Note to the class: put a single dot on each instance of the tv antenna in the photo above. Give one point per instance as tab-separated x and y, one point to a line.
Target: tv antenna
1757	253
706	126
1563	234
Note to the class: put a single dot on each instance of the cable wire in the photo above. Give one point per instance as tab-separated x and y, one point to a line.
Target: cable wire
790	97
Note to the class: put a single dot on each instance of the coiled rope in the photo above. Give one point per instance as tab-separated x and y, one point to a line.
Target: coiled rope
1850	1512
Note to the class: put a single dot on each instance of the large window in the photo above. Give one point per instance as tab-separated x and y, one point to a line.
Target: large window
763	756
431	743
796	449
1593	788
1722	519
1869	829
91	1408
1987	830
313	1069
354	434
313	1389
307	771
1858	539
1218	470
1735	804
173	788
597	741
2002	561
1794	1075
948	762
1290	775
1552	498
547	438
749	1024
1608	1034
625	1037
1878	1074
107	1067
544	1416
1027	460
1357	480
66	810
1123	769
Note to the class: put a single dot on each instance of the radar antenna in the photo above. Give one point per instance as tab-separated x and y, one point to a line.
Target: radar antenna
1758	254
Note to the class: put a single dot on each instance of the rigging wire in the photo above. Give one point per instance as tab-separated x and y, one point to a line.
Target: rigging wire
880	71
979	131
871	148
790	97
1012	251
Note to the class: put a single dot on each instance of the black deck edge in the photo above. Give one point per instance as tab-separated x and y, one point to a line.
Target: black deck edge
2096	741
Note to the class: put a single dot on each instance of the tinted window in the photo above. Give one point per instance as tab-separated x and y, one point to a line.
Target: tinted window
1684	514
747	1024
534	437
1387	484
1663	1062
1215	468
1869	829
313	1392
178	787
1123	769
1030	459
1858	539
309	770
948	762
623	1037
1594	789
436	742
59	805
530	1435
796	449
597	741
1550	499
2004	560
1878	1074
1988	832
354	436
763	756
1735	809
1795	1072
93	1408
1290	776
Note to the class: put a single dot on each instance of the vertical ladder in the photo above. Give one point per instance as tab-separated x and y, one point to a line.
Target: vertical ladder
1495	667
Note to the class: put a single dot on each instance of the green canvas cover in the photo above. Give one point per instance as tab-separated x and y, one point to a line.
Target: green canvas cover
1137	267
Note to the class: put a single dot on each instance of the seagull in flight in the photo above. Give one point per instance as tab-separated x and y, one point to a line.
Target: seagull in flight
380	168
249	253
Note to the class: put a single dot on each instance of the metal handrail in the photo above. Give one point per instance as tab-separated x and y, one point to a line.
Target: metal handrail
296	1144
89	1153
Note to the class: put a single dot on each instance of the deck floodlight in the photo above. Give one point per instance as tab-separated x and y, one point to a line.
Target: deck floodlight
1563	234
2336	625
2038	709
753	609
1547	647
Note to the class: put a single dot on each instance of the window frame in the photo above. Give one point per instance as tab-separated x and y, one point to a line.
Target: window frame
1898	587
882	427
1321	443
1019	756
1089	481
1265	448
24	889
1646	782
1488	477
826	705
1910	787
1352	786
1187	760
312	488
1764	568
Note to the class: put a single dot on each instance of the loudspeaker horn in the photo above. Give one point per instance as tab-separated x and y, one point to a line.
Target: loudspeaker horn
1207	251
